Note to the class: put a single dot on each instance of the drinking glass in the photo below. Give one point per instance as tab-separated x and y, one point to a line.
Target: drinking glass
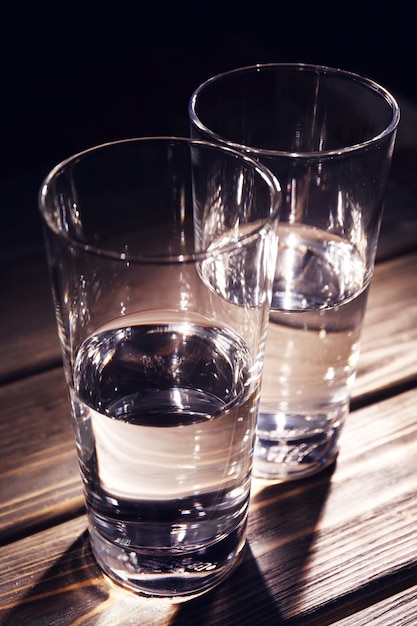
162	254
328	136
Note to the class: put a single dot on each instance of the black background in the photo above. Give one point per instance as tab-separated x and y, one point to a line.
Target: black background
76	75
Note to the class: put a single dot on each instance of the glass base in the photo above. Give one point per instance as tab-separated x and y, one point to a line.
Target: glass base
170	574
293	446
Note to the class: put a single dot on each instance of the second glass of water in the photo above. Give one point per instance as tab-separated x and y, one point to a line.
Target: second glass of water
328	135
162	254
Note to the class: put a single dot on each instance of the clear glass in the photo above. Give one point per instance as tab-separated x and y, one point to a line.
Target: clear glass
328	136
162	254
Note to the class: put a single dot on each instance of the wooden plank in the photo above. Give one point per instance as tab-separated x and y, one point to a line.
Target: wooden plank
346	534
52	578
388	356
319	550
39	478
398	610
36	424
389	339
29	341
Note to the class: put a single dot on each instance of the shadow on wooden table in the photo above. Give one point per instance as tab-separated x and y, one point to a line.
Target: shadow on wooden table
69	589
282	526
73	590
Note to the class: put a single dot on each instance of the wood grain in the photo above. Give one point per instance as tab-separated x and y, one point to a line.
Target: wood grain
398	610
318	549
389	339
29	342
36	424
39	478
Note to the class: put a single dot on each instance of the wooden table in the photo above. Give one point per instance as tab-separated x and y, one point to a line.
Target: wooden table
338	548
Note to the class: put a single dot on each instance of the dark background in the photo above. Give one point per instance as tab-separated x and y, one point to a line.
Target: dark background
74	76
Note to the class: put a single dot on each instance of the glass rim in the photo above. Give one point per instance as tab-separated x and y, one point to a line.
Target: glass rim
243	239
302	67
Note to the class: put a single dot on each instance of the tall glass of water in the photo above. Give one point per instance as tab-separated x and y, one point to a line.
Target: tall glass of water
162	254
328	135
